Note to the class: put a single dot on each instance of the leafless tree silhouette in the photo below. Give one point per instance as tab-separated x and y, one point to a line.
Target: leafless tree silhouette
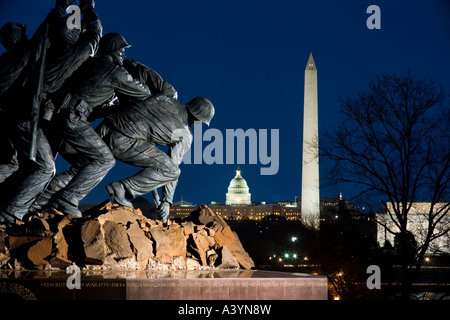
394	144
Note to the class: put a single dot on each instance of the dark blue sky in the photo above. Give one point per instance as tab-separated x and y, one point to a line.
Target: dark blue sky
248	58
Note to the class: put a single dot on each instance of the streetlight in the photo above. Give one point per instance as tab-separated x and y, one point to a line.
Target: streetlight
294	239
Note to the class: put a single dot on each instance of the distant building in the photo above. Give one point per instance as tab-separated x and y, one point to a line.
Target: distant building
417	225
238	205
255	211
181	209
332	209
238	191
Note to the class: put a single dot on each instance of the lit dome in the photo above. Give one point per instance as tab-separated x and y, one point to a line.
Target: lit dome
238	191
238	183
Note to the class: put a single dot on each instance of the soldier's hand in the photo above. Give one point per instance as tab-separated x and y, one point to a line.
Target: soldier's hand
47	110
163	211
87	4
64	3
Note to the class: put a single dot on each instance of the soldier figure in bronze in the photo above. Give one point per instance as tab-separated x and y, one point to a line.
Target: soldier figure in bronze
28	90
133	135
95	83
68	77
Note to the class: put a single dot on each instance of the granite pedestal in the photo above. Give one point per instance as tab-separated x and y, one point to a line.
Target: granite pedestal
164	285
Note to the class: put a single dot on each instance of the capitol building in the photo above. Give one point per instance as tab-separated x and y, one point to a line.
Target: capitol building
238	205
238	191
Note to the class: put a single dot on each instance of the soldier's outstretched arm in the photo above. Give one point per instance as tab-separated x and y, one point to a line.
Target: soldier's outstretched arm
123	83
90	38
151	78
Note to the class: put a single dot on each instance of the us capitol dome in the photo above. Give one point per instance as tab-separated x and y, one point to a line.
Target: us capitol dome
238	191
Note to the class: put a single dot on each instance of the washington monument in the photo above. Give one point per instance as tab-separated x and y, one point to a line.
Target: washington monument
310	162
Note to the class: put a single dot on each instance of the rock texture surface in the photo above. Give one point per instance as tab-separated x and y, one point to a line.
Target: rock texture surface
112	237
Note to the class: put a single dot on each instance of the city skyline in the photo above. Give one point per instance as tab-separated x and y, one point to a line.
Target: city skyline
249	57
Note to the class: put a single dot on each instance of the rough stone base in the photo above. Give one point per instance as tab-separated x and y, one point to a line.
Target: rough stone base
112	237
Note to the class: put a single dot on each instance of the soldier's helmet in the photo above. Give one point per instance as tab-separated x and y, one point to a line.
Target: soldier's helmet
110	43
11	34
202	109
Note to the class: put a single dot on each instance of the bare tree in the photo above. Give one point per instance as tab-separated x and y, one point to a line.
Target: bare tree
394	144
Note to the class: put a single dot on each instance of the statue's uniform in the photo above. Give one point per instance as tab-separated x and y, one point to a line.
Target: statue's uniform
17	82
150	78
92	85
140	72
15	67
64	56
132	135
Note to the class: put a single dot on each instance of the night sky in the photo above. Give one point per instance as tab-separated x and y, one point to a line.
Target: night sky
249	57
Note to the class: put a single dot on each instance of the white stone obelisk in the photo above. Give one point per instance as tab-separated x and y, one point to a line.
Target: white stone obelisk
310	209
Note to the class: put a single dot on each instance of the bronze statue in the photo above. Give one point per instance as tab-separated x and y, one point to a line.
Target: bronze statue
68	77
135	130
19	89
133	134
141	73
92	85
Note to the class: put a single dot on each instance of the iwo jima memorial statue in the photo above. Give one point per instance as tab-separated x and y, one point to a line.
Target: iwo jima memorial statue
52	86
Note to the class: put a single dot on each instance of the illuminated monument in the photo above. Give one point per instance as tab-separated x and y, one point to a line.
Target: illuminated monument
238	205
310	207
238	191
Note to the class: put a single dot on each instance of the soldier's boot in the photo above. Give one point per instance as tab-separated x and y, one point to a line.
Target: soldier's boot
117	192
65	207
